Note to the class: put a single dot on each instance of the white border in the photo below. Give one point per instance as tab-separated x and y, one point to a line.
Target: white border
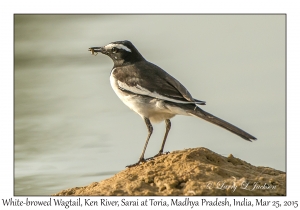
8	8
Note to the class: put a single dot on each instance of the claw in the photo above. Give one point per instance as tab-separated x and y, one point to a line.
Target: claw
135	164
158	154
161	153
147	159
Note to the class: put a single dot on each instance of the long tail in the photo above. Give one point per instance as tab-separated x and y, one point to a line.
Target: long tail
217	121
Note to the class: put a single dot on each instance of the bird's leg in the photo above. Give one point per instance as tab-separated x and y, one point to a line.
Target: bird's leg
150	130
168	127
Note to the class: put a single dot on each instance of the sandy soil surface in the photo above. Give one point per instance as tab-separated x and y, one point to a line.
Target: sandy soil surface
197	171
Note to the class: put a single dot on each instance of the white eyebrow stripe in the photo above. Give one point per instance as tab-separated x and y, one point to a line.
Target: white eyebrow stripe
119	46
143	91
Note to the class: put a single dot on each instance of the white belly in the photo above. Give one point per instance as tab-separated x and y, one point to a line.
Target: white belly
151	108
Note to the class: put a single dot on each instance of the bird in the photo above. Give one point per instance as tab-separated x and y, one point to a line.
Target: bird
153	93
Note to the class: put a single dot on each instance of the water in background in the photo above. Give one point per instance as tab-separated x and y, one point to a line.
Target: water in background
71	129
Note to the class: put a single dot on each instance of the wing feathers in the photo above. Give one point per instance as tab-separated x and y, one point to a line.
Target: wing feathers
145	78
143	91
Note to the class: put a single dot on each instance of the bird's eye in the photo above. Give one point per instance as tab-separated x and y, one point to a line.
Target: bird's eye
114	50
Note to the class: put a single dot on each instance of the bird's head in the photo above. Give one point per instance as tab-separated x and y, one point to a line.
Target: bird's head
121	52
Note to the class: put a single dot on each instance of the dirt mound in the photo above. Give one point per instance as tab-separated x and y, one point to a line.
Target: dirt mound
197	171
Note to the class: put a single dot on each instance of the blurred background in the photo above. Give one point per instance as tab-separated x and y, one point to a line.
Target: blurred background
70	127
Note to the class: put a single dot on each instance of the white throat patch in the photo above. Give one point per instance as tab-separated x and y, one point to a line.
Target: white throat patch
119	46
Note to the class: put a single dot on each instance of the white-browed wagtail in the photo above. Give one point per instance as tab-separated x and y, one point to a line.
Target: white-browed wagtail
152	93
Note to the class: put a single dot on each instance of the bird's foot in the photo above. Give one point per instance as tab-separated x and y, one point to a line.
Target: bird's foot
160	153
142	160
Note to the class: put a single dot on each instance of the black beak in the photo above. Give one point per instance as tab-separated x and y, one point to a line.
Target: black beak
97	49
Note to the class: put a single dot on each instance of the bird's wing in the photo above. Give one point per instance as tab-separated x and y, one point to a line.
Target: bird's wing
148	79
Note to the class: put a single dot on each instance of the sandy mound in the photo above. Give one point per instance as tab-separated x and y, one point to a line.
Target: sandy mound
196	171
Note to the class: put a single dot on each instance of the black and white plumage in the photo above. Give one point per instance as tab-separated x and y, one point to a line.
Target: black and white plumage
152	93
